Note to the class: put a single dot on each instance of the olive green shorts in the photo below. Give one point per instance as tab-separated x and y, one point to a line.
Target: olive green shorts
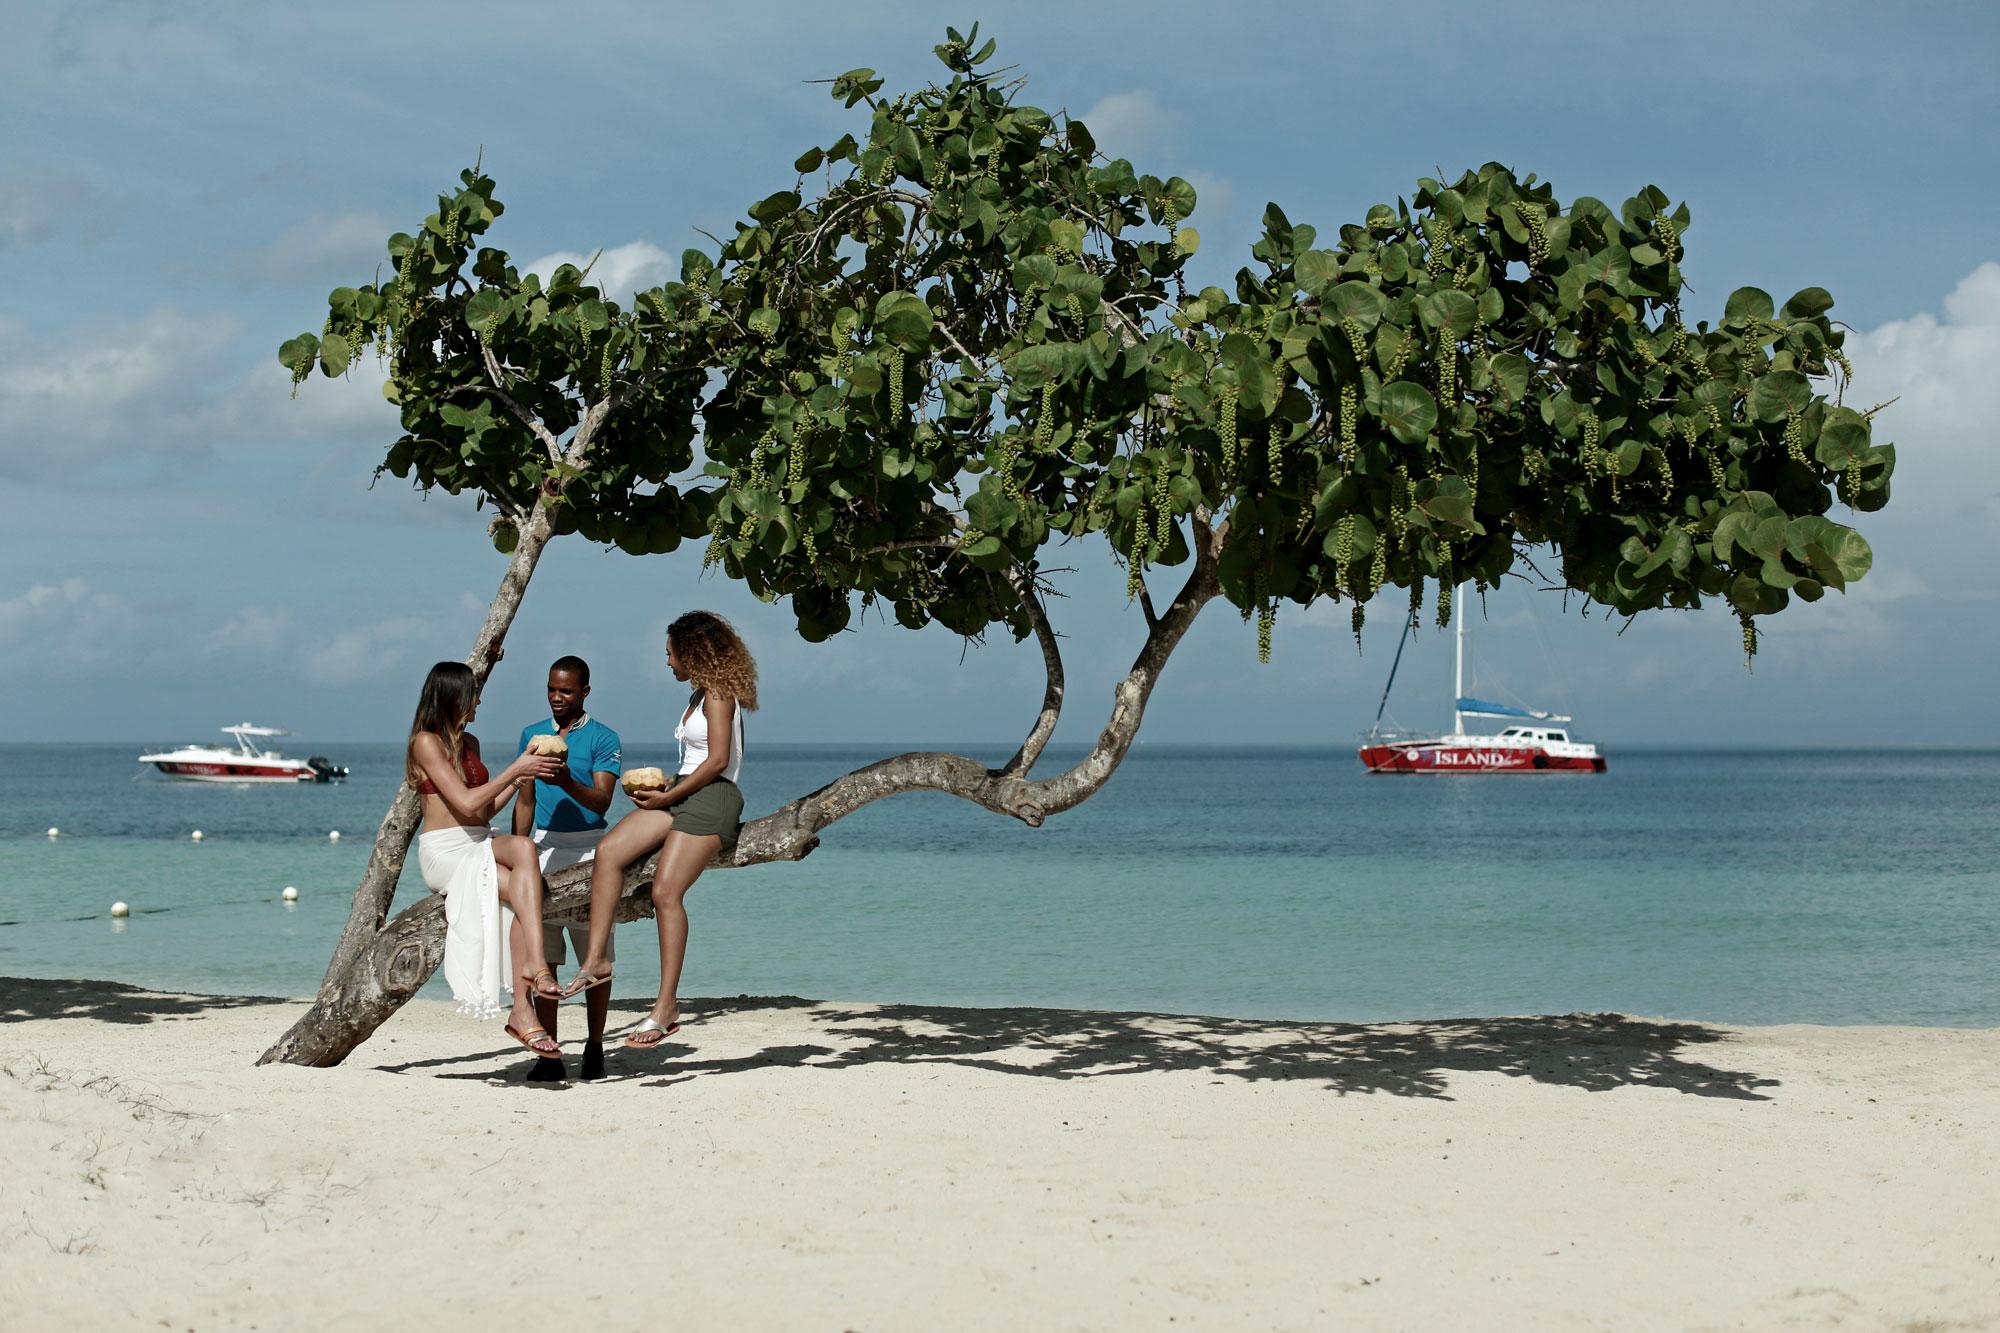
716	809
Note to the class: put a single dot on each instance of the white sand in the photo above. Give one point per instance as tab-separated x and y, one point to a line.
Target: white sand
825	1166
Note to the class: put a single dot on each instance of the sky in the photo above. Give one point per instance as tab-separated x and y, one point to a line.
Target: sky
181	183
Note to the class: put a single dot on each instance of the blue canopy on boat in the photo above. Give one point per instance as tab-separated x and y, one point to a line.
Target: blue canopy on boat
1482	708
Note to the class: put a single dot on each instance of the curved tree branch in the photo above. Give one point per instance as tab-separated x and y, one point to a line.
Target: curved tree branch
1052	694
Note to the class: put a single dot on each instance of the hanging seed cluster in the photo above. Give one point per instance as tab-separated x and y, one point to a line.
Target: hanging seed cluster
1274	452
1749	638
896	385
1267	617
1593	456
1402	356
1227	427
1538	233
1795	438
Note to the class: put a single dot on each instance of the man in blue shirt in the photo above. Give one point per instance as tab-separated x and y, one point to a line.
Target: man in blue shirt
566	819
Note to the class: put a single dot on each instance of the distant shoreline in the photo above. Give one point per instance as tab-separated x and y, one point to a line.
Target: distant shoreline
1144	745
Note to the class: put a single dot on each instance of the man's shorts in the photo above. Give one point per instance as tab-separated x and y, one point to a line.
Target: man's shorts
560	851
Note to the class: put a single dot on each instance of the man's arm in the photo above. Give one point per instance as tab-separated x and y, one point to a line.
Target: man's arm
597	796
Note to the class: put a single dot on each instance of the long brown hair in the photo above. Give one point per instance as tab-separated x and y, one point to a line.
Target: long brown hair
444	707
708	649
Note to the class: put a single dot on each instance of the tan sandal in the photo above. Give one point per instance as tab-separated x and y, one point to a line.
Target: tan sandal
527	1039
555	990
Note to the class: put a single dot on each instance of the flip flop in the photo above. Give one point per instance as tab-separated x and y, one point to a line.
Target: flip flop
527	1039
554	992
647	1028
589	980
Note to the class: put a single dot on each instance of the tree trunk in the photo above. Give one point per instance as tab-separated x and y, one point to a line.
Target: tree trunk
374	970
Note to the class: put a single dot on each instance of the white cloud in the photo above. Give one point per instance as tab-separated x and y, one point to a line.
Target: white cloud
1945	496
1126	124
254	629
63	626
32	207
347	242
131	387
154	388
619	271
369	652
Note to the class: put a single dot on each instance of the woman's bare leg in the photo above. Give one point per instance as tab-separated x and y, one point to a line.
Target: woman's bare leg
637	834
520	874
682	860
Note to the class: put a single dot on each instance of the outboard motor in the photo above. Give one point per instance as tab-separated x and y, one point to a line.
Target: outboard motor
324	769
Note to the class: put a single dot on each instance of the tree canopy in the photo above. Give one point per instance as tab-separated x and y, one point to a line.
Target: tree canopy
961	334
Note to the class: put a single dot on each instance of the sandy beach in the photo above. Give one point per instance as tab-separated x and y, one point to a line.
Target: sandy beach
795	1164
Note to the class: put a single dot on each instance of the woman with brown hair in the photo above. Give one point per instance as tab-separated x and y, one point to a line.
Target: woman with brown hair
476	871
691	820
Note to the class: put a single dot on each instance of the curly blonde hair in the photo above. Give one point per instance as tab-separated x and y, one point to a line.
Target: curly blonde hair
707	647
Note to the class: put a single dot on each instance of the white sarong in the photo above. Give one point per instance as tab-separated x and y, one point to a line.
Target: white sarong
458	863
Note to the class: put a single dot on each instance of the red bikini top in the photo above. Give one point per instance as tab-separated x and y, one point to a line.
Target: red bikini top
475	775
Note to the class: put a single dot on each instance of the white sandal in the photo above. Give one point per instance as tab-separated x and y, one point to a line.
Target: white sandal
646	1028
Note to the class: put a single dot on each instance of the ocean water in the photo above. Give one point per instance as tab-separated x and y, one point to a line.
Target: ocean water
1752	887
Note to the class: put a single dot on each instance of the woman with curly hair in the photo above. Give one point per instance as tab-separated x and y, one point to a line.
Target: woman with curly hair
692	819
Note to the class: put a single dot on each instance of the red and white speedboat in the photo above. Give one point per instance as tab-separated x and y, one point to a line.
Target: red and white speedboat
1538	744
245	763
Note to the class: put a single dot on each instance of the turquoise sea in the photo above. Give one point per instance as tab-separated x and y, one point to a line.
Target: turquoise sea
1757	887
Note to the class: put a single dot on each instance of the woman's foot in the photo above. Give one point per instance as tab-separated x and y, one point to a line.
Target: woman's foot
542	983
523	1027
655	1028
588	977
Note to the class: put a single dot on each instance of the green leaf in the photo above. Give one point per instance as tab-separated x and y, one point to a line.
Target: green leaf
1843	440
1778	393
1510	375
764	321
1315	269
775	206
1186	241
904	319
1446	500
1610	267
334	355
1357	301
1453	310
1747	303
1809	304
1409	411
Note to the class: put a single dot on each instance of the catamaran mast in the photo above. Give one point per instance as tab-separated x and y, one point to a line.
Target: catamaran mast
1458	662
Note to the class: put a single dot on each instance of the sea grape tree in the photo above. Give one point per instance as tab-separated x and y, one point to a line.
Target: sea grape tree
960	338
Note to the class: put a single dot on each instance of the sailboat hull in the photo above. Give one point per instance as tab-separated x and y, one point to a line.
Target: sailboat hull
1460	757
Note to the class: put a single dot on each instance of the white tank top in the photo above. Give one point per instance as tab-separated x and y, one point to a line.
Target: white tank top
692	734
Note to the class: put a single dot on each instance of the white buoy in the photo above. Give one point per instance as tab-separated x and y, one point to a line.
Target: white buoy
120	909
291	894
196	835
54	832
333	836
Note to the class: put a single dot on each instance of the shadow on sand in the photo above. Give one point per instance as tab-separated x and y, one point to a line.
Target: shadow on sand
1594	1052
23	999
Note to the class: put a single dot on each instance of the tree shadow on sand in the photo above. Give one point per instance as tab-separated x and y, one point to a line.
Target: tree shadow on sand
24	999
1593	1052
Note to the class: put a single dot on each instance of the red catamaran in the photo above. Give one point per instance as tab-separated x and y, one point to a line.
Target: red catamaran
1536	745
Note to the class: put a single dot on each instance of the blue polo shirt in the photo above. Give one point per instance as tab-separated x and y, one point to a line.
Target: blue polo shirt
593	748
